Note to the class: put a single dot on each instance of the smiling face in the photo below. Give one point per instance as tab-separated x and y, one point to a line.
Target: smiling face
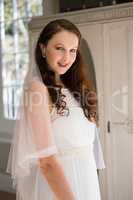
61	51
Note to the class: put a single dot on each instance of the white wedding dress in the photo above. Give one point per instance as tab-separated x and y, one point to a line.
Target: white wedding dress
76	141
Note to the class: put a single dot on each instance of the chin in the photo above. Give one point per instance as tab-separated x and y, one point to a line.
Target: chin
64	71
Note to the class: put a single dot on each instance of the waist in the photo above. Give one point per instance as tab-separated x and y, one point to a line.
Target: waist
76	151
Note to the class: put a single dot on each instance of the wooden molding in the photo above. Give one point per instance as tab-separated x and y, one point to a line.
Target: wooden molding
87	15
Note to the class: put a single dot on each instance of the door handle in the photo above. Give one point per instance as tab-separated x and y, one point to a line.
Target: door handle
108	126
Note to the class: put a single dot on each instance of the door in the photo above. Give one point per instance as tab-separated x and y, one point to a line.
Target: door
118	79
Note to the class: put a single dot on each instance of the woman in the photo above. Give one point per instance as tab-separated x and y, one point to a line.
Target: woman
56	151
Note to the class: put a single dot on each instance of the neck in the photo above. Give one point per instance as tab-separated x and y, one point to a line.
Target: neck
58	80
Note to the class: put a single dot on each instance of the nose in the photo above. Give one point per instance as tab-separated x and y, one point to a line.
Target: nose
66	57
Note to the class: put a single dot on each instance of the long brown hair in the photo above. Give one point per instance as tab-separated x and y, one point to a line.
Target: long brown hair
74	79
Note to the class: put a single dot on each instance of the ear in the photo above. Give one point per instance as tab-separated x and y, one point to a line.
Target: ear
42	47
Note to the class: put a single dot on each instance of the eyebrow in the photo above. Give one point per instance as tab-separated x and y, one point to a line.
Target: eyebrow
63	45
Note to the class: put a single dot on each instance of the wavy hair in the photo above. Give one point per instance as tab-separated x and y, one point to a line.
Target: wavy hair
74	79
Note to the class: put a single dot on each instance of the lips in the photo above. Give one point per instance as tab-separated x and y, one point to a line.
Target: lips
62	65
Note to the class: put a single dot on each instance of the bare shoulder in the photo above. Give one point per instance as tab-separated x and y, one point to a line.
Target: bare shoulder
36	91
37	86
40	91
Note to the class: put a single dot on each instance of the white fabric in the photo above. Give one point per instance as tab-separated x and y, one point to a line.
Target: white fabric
98	150
73	138
33	135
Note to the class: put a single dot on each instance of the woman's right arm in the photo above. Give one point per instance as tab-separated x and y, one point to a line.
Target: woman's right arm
39	116
54	173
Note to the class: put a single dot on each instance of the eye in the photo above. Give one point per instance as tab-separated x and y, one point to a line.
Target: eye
60	48
73	50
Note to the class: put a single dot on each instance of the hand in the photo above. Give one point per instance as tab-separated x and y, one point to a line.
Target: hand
92	117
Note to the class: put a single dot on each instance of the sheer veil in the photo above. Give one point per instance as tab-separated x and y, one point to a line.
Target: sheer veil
30	141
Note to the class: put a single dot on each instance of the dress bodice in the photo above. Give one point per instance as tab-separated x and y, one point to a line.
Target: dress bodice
73	130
